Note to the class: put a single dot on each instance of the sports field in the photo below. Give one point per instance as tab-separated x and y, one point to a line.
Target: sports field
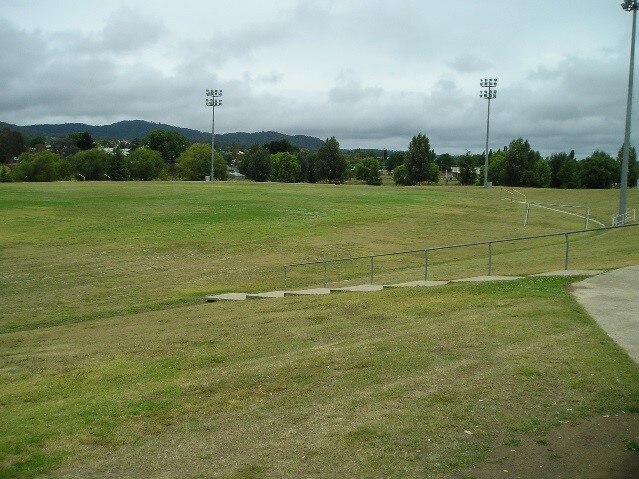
111	365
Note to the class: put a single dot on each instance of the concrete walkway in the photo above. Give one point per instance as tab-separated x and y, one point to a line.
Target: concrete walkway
613	300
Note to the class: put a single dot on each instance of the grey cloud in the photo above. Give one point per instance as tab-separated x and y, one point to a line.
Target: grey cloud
469	64
267	79
129	30
405	70
19	52
351	90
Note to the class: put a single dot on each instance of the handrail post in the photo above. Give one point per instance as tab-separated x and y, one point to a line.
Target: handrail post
490	259
372	269
567	252
325	277
587	218
527	214
426	265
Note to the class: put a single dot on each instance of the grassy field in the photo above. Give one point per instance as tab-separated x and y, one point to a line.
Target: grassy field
76	251
110	365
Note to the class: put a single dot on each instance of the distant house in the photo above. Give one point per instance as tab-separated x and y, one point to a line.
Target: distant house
125	151
455	170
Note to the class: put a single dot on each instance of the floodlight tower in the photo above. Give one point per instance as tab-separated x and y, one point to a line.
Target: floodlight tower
629	6
489	94
213	101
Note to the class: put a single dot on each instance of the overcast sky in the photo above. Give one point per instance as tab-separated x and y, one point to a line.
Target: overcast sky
371	73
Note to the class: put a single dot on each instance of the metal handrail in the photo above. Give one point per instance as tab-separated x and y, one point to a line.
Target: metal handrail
512	192
565	234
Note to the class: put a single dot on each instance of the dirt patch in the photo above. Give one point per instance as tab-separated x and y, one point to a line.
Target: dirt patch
602	447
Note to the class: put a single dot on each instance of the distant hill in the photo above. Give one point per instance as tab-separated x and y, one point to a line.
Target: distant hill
130	129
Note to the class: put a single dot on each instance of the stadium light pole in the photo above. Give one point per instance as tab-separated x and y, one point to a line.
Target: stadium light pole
489	94
213	100
629	6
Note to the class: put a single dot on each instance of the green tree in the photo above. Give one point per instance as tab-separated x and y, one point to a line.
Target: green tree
281	146
569	175
401	177
285	167
91	164
433	176
307	165
5	177
194	164
556	161
633	172
170	144
38	166
116	166
82	140
445	162
256	164
467	173
496	168
330	164
38	142
541	173
65	147
12	143
518	163
368	170
221	169
145	164
599	170
418	159
395	159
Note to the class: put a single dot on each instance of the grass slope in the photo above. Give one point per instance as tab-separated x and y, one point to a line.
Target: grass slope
111	366
378	385
76	251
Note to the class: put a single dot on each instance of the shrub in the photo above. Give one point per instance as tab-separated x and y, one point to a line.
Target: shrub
285	167
368	170
4	175
400	176
40	166
330	164
256	164
145	164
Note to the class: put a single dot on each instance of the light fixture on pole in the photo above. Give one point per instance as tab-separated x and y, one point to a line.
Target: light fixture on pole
629	6
213	101
489	94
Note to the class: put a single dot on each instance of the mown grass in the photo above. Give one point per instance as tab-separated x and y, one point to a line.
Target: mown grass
76	251
378	385
111	366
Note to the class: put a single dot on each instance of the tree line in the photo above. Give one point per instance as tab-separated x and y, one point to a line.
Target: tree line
161	155
169	155
520	165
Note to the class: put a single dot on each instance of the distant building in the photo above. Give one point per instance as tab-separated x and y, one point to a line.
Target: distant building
125	151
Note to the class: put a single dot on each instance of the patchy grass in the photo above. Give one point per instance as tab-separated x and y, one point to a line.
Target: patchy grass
72	252
385	384
110	364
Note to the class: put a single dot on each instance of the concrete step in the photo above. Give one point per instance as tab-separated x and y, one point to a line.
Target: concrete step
365	288
308	292
572	272
483	279
417	284
269	294
362	288
226	297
